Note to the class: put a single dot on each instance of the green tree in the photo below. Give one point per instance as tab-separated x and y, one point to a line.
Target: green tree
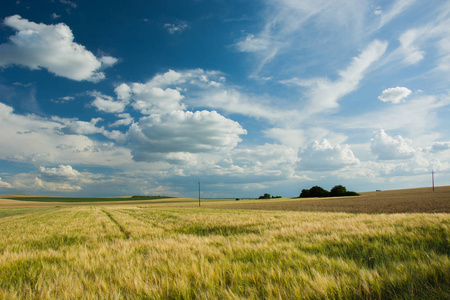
317	191
304	193
337	191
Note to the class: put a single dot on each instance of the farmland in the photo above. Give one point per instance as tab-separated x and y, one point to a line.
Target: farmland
171	249
422	200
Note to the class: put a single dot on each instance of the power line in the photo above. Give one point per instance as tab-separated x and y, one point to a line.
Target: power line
199	193
432	178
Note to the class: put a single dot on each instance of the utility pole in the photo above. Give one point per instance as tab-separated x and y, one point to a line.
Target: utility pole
199	193
432	178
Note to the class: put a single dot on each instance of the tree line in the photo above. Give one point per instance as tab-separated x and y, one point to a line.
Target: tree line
317	191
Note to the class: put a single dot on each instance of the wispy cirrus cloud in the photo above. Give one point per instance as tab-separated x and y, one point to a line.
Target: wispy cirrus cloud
323	94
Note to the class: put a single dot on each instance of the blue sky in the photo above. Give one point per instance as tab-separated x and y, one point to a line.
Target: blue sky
112	98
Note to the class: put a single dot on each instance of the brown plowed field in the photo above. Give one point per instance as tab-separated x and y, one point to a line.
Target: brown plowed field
421	200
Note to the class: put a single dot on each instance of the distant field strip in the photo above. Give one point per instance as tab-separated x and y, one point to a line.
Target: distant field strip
70	199
8	212
130	252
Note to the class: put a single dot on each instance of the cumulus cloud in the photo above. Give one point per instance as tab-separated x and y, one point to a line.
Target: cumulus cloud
322	156
171	77
82	127
61	173
108	61
108	104
51	47
264	160
41	141
166	92
385	147
123	92
36	182
394	95
155	100
440	147
183	131
31	158
4	185
125	120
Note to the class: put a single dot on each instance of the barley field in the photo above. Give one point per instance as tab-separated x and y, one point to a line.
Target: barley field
169	252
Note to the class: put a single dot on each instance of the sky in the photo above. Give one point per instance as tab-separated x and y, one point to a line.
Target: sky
114	98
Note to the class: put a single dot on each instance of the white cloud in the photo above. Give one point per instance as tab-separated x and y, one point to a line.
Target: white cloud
61	173
322	156
394	95
176	28
410	51
378	11
416	116
396	8
284	21
38	183
253	44
264	160
30	158
385	147
67	98
126	119
324	94
61	179
296	138
290	137
154	100
171	77
82	127
107	104
416	42
123	92
69	3
4	185
51	47
40	141
180	131
233	101
440	147
108	61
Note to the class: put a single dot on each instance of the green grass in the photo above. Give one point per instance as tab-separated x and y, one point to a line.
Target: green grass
117	252
72	199
9	212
